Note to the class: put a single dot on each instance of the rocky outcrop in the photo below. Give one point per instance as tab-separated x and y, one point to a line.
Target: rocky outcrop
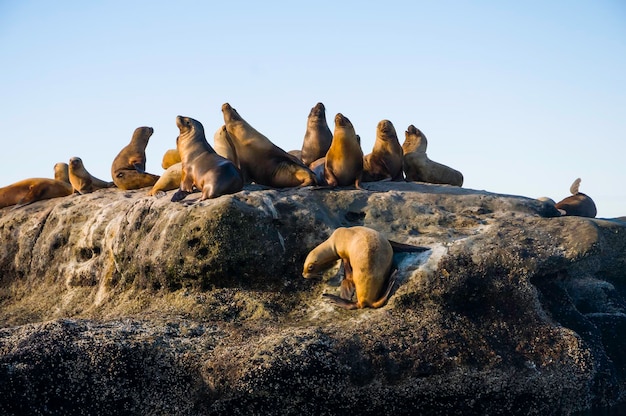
119	303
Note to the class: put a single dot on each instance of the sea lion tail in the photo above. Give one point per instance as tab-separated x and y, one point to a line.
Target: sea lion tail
574	188
406	248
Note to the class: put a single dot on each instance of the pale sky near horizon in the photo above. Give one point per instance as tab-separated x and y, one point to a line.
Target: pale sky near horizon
521	97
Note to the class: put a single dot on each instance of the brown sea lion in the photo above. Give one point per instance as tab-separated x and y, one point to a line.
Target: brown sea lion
128	169
170	157
344	159
385	161
32	190
577	204
170	179
202	168
82	181
223	145
317	137
367	258
260	160
418	167
61	172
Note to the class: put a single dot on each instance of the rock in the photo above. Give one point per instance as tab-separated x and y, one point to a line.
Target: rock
119	303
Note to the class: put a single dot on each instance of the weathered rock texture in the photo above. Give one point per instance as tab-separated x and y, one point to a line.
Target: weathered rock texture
119	303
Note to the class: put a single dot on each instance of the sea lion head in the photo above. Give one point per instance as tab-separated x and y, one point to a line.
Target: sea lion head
188	127
342	121
318	111
230	114
76	163
415	141
385	127
61	170
142	135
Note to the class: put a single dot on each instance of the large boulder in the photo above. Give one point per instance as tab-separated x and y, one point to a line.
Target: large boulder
119	303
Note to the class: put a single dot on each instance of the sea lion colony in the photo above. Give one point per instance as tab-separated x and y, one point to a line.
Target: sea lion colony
243	155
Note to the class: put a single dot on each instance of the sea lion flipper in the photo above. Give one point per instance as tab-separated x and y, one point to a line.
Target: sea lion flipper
346	304
390	284
179	195
575	185
406	248
347	289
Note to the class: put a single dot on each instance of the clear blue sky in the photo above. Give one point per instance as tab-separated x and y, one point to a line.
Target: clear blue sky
522	97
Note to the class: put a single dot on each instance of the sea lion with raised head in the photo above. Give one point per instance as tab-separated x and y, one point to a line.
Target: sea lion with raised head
367	258
418	167
128	169
259	159
385	161
317	137
170	179
577	204
82	181
202	168
344	159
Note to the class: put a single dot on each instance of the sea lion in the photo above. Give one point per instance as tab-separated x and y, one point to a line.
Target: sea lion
82	181
385	161
128	169
32	190
577	204
202	167
223	145
344	159
417	165
367	258
168	181
317	137
259	159
317	168
170	157
61	172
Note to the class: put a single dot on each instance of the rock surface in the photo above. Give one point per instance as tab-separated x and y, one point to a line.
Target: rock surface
119	303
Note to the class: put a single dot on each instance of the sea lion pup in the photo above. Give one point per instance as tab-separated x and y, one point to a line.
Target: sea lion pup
61	172
223	145
385	161
418	167
317	137
367	258
128	169
344	159
170	157
168	181
259	159
202	168
82	181
577	204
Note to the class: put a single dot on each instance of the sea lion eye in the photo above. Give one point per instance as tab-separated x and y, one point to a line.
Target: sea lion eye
311	267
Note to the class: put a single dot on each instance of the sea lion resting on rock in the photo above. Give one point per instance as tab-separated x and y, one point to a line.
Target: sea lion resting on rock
344	159
385	161
577	204
170	157
202	168
259	159
128	169
418	167
318	137
170	179
32	190
82	181
367	258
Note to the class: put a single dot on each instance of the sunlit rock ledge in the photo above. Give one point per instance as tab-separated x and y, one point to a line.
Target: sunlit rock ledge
120	303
